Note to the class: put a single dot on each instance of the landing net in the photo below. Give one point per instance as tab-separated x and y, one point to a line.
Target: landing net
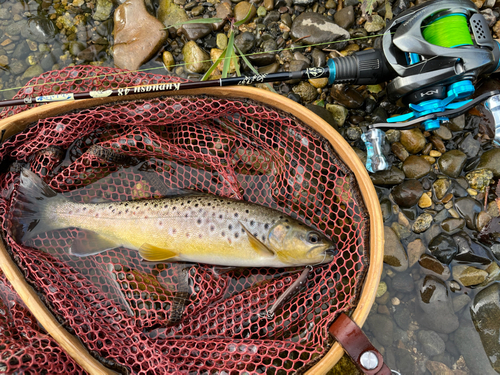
139	317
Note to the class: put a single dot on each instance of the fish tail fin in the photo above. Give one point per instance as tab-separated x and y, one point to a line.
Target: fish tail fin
32	203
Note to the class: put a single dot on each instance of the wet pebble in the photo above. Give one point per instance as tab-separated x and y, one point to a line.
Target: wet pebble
468	208
432	266
416	167
345	17
468	275
415	249
403	282
376	23
443	247
197	60
400	151
391	176
452	162
306	91
241	10
452	225
491	160
479	178
394	252
346	96
314	28
469	146
338	112
408	193
436	304
382	328
413	140
422	223
431	342
441	187
485	313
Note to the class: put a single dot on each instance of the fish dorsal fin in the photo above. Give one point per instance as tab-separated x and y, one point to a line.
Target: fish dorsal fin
155	254
260	247
93	243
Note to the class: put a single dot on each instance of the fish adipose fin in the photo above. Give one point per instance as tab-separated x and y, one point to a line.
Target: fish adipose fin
259	246
155	254
92	243
34	199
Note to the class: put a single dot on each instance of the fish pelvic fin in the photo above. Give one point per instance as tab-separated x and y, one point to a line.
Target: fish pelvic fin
92	243
156	254
34	198
258	245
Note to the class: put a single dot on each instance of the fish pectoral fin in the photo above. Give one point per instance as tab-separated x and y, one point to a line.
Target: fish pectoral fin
155	254
258	245
93	243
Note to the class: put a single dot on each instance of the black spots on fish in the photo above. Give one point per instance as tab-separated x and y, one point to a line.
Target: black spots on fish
263	238
110	207
174	231
198	221
222	233
119	212
280	217
236	214
126	204
287	226
236	235
266	226
212	228
84	208
196	205
173	208
209	204
221	216
252	223
286	220
156	205
247	211
230	227
200	236
126	211
146	203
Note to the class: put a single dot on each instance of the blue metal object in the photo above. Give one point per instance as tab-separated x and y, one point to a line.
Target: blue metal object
375	160
493	105
333	71
456	91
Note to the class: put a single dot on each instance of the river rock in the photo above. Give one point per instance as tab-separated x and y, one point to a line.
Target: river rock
443	247
460	301
432	266
345	17
391	176
479	178
408	193
415	166
102	10
315	28
452	162
491	160
197	60
468	342
400	151
468	208
241	10
223	10
347	96
452	225
170	13
485	313
422	223
137	35
441	187
436	304
193	31
306	91
468	275
376	23
415	249
245	42
425	200
394	252
382	328
32	71
39	29
469	146
403	282
432	343
413	140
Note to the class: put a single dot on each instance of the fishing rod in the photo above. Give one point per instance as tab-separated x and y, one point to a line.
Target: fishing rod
428	57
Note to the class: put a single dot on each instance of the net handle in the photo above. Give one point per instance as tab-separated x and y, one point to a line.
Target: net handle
20	121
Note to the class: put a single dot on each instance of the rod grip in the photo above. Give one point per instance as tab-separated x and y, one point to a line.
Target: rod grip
362	68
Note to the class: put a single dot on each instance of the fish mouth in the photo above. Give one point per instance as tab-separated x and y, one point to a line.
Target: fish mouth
331	251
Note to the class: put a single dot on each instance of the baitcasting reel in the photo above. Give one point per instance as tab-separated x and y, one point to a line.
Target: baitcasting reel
433	62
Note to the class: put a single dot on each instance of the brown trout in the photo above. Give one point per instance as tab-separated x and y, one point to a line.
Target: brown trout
200	228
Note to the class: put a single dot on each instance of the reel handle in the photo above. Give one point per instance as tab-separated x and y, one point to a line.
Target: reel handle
375	141
492	104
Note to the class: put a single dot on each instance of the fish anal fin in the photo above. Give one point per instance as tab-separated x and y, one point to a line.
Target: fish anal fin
155	253
258	245
93	243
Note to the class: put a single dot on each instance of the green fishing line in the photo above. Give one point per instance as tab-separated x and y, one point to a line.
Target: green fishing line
448	31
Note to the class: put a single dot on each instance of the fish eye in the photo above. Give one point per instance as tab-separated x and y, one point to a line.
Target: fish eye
313	237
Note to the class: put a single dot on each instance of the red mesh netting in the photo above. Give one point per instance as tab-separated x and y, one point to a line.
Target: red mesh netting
143	317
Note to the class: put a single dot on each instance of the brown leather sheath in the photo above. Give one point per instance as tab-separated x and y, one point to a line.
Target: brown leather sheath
355	343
